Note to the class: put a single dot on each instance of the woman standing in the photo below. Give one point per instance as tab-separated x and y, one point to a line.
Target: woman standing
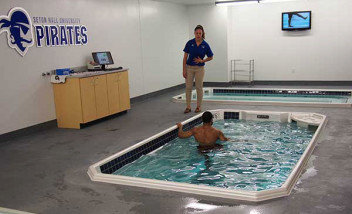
193	66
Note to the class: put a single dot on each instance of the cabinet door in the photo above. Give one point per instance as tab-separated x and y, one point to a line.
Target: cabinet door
68	104
113	93
89	111
101	96
124	91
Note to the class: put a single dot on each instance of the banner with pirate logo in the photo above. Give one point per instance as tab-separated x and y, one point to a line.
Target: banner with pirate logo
47	31
18	27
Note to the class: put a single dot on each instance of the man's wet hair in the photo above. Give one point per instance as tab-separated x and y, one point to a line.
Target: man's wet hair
207	117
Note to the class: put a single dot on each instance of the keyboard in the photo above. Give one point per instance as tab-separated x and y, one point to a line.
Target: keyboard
113	69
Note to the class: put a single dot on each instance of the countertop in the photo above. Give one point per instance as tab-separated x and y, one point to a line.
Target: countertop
94	73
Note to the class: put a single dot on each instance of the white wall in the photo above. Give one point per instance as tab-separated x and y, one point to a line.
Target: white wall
322	53
214	19
164	28
145	36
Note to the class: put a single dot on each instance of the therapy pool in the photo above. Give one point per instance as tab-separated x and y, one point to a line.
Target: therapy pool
264	159
267	96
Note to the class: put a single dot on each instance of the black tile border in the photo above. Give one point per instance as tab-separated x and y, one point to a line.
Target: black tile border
231	115
291	92
115	164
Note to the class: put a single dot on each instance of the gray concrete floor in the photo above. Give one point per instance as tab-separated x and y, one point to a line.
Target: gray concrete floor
46	172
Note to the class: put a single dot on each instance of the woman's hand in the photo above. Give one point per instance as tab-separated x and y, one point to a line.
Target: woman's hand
185	57
197	60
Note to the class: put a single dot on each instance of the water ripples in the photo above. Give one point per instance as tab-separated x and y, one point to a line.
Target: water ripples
259	156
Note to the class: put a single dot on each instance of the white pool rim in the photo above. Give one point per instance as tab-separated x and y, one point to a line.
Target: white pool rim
302	119
181	98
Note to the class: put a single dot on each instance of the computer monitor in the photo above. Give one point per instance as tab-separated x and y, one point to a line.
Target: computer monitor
103	58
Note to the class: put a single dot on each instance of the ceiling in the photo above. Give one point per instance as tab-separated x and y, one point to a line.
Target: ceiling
189	2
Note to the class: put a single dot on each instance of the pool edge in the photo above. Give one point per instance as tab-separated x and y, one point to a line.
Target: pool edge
252	196
180	98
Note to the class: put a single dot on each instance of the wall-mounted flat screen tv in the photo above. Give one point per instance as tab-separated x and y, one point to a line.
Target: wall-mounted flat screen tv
297	20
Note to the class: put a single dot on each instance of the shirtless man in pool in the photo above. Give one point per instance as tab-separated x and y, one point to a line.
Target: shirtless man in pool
205	135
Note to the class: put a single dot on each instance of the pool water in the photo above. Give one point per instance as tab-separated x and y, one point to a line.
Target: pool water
276	97
259	156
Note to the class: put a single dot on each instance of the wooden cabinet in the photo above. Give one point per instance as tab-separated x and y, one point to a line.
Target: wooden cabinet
82	100
118	92
94	98
124	91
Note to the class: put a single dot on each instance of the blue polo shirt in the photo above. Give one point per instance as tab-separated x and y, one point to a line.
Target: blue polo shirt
195	51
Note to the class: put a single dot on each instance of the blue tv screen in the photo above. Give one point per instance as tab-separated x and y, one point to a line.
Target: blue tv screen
297	20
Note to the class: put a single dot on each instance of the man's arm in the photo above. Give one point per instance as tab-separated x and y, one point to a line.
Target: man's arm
182	134
222	137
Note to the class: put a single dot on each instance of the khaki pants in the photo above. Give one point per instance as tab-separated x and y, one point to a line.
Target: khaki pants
197	73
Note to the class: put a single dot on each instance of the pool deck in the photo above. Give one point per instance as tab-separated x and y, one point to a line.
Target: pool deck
46	172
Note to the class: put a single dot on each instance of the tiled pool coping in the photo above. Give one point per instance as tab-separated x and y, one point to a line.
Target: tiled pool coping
102	171
270	91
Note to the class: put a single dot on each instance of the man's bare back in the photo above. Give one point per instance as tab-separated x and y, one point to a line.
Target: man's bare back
205	135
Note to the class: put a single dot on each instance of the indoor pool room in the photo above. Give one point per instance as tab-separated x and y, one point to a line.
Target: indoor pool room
175	107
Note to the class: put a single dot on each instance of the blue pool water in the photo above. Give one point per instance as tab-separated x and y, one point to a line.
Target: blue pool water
276	98
259	156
